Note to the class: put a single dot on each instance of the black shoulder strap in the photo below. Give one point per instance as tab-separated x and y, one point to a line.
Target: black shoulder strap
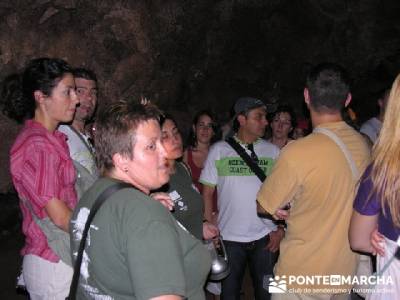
97	204
247	159
254	167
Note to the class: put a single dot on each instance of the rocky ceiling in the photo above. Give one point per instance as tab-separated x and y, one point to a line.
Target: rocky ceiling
186	55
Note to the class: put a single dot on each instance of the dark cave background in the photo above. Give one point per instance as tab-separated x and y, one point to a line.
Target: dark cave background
187	55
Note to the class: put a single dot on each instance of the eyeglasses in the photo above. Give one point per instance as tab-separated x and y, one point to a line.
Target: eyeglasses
253	155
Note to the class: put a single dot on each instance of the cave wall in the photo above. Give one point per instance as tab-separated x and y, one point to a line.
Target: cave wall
186	55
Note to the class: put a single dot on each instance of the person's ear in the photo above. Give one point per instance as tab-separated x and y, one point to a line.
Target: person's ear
120	162
39	96
348	100
241	119
380	103
306	94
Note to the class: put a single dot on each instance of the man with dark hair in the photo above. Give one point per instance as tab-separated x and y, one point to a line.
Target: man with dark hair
318	175
249	240
80	148
329	87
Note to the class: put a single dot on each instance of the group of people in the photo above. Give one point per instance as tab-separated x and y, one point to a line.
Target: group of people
145	241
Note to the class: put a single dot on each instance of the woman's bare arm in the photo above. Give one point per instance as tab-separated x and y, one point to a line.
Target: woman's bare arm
361	228
59	213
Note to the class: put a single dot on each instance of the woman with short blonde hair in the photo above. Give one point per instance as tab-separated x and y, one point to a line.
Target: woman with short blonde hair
135	248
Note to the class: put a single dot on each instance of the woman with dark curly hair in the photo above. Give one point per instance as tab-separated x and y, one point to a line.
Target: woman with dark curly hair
41	169
188	201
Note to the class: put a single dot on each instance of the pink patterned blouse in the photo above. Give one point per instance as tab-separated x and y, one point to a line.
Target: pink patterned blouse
41	169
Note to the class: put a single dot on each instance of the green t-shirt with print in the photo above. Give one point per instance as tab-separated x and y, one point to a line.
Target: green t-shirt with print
135	249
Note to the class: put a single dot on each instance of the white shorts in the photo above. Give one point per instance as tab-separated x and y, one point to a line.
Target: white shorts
46	280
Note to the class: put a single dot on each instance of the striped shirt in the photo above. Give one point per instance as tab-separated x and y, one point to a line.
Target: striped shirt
41	169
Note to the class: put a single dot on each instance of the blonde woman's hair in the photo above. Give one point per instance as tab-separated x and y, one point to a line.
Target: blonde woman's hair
385	173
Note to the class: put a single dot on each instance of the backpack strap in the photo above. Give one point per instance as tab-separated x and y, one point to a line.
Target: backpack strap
342	146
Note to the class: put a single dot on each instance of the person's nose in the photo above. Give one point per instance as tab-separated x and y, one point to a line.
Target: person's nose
89	97
162	152
176	137
265	121
74	97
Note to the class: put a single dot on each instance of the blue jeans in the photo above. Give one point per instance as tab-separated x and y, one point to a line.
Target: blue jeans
261	263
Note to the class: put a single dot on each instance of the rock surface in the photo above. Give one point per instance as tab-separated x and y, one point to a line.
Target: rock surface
187	55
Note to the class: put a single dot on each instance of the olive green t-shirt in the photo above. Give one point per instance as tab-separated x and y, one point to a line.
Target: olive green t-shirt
188	208
135	249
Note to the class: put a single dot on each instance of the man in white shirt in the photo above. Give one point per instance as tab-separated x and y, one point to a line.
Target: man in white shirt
80	147
372	127
249	240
